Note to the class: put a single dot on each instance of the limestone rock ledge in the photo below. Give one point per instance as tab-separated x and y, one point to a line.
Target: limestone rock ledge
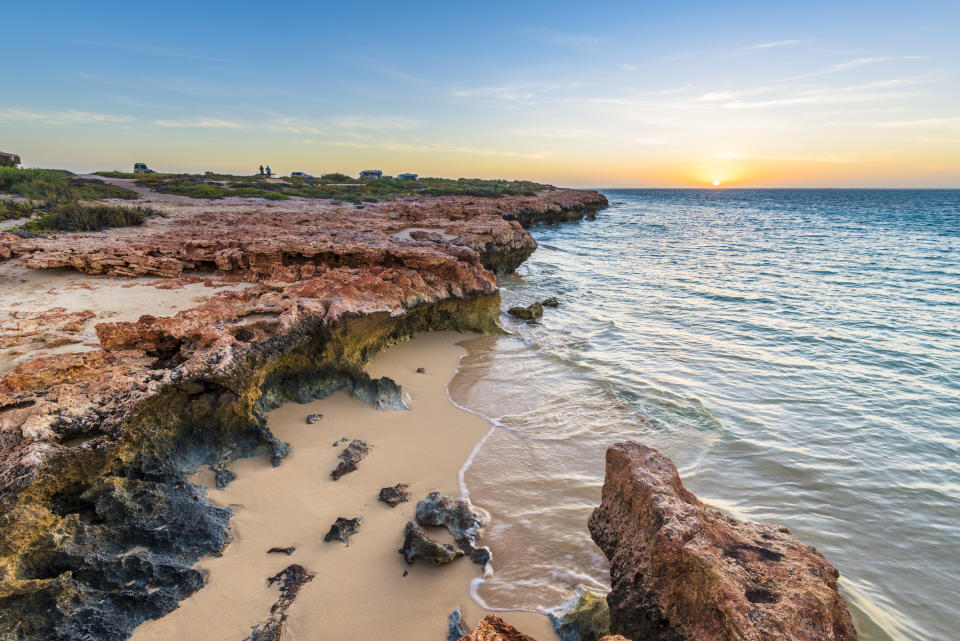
99	526
681	571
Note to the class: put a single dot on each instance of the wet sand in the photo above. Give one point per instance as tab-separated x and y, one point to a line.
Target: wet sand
359	591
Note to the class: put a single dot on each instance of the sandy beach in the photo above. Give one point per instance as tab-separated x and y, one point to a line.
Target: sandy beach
360	590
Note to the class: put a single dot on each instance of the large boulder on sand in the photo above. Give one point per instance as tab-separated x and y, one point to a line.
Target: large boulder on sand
682	571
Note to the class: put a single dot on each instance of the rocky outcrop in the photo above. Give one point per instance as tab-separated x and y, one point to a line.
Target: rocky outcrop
343	529
394	496
493	628
586	617
99	526
464	521
682	571
290	580
349	457
417	544
532	311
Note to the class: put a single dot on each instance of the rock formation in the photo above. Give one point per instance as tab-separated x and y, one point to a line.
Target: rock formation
493	628
586	617
464	521
99	526
349	457
417	544
343	529
394	496
682	571
290	579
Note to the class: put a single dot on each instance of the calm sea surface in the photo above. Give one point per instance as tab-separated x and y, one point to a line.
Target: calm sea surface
795	352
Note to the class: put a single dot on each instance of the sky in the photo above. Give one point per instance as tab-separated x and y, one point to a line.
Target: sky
637	94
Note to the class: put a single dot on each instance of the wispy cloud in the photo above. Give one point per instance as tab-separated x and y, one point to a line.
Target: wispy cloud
428	147
375	123
776	43
841	67
519	94
736	155
211	123
61	117
150	50
834	95
918	123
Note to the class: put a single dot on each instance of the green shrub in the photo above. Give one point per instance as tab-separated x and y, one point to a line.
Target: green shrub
276	196
11	209
75	216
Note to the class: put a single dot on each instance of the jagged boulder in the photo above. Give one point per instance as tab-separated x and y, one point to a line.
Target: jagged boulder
417	544
464	521
394	496
343	529
585	617
493	628
681	571
349	457
530	312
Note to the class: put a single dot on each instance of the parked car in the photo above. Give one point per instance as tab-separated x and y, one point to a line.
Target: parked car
141	168
299	174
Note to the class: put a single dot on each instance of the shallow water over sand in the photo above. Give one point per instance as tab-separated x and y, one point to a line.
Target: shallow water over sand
797	354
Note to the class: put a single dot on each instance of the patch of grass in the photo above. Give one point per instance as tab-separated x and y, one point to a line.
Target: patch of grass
335	186
75	216
13	209
95	190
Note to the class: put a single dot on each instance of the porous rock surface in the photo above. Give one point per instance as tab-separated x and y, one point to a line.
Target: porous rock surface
681	571
99	526
417	544
493	628
461	518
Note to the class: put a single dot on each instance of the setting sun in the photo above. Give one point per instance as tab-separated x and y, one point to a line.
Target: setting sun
716	183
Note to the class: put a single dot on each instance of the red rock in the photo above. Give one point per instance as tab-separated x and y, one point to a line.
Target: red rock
493	628
682	571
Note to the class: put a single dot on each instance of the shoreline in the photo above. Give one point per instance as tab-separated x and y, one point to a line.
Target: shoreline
360	590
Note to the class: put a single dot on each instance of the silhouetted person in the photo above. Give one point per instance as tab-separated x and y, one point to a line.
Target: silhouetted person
261	170
268	171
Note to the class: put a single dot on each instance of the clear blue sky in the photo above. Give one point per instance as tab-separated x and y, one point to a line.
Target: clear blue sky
860	93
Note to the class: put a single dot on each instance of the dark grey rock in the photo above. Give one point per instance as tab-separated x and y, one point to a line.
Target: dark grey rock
417	544
291	579
553	301
456	629
313	418
349	457
462	520
393	496
288	551
343	529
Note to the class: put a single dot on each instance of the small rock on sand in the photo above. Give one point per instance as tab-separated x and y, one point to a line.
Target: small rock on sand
288	551
313	418
395	495
343	529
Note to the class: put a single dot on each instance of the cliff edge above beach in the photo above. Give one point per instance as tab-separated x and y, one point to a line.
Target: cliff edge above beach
134	357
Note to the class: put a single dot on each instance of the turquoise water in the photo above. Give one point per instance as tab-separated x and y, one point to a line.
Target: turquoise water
796	352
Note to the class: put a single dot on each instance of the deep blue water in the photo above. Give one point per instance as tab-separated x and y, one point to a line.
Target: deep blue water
796	352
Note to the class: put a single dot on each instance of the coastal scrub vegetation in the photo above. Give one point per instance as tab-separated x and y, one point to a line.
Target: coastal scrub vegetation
77	216
13	209
333	186
50	186
54	200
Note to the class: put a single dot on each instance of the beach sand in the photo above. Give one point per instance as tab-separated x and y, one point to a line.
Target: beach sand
359	591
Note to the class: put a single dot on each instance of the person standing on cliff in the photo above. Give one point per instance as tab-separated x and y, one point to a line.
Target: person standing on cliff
261	170
268	171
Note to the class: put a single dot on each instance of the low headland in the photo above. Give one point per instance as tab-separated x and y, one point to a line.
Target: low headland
197	391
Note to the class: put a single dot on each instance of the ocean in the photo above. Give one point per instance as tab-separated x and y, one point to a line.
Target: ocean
795	352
